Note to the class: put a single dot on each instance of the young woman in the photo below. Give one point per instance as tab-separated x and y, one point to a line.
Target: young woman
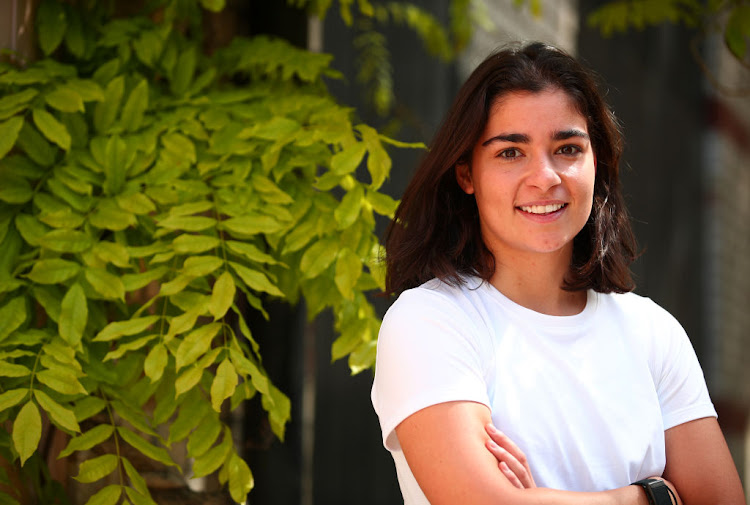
510	254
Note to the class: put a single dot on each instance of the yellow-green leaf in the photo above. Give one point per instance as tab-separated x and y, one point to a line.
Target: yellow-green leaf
13	370
106	284
249	225
348	270
72	241
12	316
348	159
224	384
147	449
65	99
348	210
93	437
195	344
27	431
318	257
256	280
106	110
138	498
187	243
109	495
136	479
118	329
240	478
204	436
187	379
63	417
222	295
156	362
53	271
62	380
97	468
9	131
74	315
214	458
198	266
135	106
51	128
12	398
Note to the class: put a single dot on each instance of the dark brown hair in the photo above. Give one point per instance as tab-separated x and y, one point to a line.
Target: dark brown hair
435	231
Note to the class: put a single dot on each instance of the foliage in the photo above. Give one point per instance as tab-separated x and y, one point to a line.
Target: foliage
145	188
731	18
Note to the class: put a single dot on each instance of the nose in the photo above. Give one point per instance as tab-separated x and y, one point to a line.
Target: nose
543	173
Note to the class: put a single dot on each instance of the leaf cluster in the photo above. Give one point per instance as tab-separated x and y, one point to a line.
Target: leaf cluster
144	188
731	18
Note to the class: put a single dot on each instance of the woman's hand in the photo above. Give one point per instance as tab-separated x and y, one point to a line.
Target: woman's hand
511	460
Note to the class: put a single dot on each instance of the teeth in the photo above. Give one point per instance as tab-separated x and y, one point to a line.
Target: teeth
542	209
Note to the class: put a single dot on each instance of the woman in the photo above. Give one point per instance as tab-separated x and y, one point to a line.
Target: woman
510	254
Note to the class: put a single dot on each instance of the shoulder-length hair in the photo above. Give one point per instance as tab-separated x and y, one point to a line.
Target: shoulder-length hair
435	231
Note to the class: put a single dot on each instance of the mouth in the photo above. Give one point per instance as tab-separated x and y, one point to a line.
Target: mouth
542	209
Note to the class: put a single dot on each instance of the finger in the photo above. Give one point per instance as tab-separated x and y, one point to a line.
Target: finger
510	475
505	442
511	463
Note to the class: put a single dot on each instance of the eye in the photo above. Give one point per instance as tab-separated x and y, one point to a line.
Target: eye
569	150
510	153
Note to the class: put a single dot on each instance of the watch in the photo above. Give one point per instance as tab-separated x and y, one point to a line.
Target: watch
657	491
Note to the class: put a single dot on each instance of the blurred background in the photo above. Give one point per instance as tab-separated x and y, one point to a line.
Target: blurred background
684	103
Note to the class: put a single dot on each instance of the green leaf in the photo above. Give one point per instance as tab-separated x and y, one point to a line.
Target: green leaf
9	131
131	118
381	203
348	271
51	128
204	436
12	398
136	479
109	216
199	266
74	315
106	284
66	241
180	147
247	226
109	495
279	408
35	145
27	431
737	31
62	380
53	271
319	257
250	252
348	159
65	99
97	468
60	415
195	344
188	379
123	349
88	90
106	110
12	316
93	437
213	5
118	329
139	498
214	458
13	100
192	411
222	295
15	190
147	449
51	25
255	280
156	362
348	210
138	281
87	407
187	223
240	478
116	162
136	203
224	384
184	71
188	243
13	370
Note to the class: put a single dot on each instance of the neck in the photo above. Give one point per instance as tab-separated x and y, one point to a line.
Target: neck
535	281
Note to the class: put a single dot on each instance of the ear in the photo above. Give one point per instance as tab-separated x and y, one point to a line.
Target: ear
463	177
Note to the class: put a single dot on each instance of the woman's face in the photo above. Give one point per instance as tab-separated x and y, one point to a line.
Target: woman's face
532	174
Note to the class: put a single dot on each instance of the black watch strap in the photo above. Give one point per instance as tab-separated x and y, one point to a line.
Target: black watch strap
657	491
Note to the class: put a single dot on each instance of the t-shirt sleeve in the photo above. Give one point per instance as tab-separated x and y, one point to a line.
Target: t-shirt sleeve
681	385
428	353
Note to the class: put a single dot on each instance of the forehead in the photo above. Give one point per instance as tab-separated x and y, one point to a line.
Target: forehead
550	105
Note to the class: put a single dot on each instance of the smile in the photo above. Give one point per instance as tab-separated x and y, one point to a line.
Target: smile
542	209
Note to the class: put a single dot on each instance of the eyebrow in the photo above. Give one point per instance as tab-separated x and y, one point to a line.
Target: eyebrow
522	138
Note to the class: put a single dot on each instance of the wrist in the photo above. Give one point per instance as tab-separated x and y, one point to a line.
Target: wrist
656	491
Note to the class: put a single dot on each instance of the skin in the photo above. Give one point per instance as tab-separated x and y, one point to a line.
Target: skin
535	151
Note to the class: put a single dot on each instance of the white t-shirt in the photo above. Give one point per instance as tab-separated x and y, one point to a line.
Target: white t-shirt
586	397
